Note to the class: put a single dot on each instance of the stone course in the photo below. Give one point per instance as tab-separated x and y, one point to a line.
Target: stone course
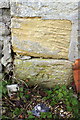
41	38
39	29
45	29
44	72
49	10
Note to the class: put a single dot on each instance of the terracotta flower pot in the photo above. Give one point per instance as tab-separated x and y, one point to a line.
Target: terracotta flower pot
76	73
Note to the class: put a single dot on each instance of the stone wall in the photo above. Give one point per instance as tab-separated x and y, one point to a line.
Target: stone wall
45	30
44	38
5	37
43	13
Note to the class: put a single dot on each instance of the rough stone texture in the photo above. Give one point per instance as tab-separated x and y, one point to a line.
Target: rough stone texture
1	49
0	59
40	70
0	67
78	29
3	29
6	51
4	3
51	9
33	37
44	72
41	38
1	45
45	9
5	37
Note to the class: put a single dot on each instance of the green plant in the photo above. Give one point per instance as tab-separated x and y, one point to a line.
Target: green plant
64	95
4	89
26	100
30	115
46	115
17	111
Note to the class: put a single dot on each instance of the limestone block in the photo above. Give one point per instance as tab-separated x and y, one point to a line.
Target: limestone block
51	9
41	38
44	72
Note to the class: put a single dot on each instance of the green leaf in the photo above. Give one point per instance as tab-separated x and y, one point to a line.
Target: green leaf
4	90
5	117
49	115
16	111
60	95
29	112
76	111
63	87
27	96
74	101
56	87
37	119
45	98
65	93
57	91
43	115
53	103
49	92
4	83
21	89
69	108
21	95
31	116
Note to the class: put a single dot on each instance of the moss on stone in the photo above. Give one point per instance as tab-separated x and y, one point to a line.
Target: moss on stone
44	72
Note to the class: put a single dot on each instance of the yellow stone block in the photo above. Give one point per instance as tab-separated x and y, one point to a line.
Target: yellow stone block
41	38
44	72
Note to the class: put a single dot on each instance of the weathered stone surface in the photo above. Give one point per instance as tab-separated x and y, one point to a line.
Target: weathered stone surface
5	38
4	3
47	9
6	17
41	38
1	45
44	72
4	29
6	51
0	67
